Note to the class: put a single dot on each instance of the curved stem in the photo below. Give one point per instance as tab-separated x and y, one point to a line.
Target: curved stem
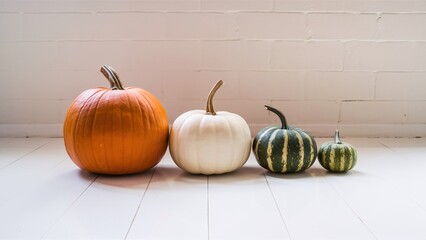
112	76
337	137
210	107
280	115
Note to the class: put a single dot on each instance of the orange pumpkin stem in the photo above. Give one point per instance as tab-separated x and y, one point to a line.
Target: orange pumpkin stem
210	107
112	77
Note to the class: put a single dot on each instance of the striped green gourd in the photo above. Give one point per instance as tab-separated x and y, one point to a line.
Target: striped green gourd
284	149
337	156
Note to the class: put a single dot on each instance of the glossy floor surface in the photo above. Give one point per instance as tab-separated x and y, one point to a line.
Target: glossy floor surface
43	195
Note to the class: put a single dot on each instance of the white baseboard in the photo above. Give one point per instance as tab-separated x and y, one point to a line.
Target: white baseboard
317	130
31	130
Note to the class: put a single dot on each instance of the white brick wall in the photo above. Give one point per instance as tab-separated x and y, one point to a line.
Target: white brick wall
338	86
306	55
272	25
355	65
401	86
385	56
402	26
342	25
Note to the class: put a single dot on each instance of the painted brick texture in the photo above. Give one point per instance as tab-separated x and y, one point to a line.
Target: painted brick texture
355	65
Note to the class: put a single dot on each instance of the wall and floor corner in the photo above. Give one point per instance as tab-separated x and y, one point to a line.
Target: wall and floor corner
359	66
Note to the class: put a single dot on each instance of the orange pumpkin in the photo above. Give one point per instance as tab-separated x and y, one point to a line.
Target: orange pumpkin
116	130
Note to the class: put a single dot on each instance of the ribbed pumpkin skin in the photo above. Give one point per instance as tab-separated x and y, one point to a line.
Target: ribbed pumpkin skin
284	150
207	144
116	131
337	157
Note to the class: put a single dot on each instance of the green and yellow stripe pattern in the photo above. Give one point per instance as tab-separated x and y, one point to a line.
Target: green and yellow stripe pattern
284	150
337	157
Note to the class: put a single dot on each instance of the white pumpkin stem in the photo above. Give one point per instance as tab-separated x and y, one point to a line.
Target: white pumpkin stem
337	137
280	115
112	77
210	107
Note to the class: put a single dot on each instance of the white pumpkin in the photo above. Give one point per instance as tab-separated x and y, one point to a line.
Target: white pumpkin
209	142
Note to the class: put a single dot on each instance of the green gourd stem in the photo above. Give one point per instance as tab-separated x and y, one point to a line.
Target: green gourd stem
210	107
112	77
337	137
280	115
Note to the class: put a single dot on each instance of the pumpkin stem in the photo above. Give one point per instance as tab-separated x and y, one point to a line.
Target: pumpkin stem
112	77
210	107
280	115
337	137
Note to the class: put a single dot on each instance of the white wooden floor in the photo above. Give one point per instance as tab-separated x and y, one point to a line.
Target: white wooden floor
43	195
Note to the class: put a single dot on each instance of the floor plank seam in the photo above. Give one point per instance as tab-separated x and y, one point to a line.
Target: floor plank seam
56	165
396	152
69	207
25	155
140	203
15	194
352	210
278	207
413	199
